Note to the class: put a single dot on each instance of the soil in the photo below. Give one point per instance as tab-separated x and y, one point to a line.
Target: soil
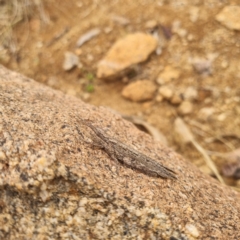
41	48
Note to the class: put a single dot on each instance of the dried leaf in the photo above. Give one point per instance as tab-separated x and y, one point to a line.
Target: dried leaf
58	36
157	135
183	131
187	137
87	36
121	20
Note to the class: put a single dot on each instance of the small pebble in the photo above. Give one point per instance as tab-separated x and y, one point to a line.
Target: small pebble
166	92
192	229
205	113
151	24
140	90
167	75
70	61
222	117
176	99
185	108
159	98
190	94
194	14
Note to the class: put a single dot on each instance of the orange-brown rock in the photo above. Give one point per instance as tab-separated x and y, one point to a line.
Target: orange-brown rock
130	50
139	91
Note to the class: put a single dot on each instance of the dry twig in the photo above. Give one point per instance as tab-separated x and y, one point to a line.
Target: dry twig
182	129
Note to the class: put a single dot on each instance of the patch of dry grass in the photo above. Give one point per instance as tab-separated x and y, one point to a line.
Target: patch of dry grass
11	13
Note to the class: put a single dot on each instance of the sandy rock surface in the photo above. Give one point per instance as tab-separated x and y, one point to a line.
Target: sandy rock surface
55	184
